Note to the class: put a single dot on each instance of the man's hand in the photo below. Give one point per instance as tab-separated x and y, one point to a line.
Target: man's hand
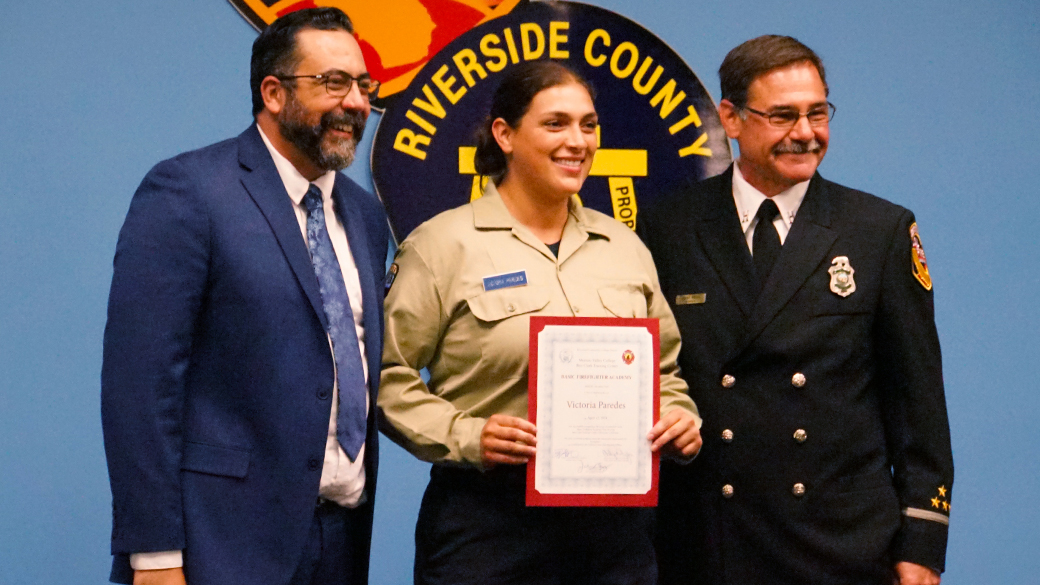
913	574
173	576
507	440
677	433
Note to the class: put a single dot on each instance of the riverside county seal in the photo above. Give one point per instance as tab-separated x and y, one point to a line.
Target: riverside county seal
658	125
397	37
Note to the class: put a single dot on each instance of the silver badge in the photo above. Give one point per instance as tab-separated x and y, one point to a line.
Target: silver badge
842	283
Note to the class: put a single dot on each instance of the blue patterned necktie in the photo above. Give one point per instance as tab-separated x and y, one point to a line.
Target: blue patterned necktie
351	422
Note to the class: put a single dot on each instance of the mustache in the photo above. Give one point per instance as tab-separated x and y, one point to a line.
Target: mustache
349	118
798	147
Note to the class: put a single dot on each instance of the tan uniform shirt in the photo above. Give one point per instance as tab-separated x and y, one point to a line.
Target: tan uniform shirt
475	342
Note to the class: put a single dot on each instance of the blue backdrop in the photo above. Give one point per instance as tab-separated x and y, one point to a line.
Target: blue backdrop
938	110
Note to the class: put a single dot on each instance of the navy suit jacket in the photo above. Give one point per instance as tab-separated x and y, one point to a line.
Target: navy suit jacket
860	376
217	375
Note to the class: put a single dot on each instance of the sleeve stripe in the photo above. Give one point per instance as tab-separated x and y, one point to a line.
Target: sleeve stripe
927	515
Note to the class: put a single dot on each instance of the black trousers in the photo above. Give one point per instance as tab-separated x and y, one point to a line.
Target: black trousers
474	528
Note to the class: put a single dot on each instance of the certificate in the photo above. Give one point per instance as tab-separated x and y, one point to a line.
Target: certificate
593	393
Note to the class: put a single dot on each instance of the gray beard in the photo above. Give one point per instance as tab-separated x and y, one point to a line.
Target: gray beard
313	141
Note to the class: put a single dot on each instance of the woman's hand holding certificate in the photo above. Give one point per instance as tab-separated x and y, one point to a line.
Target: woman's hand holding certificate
507	440
594	392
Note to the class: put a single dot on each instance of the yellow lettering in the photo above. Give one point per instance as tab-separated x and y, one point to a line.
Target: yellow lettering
615	59
445	85
640	87
466	61
511	45
488	48
667	98
556	39
420	122
623	198
431	107
697	147
526	30
408	142
691	116
598	34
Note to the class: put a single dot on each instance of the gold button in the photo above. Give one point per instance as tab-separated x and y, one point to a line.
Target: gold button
727	435
800	435
798	380
798	490
728	381
727	491
510	308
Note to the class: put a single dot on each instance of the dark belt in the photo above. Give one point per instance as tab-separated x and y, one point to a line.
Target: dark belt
500	479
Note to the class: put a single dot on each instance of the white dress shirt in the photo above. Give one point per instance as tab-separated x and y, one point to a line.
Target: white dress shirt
342	480
748	199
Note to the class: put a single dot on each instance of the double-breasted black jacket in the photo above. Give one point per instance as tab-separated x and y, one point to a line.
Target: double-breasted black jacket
826	453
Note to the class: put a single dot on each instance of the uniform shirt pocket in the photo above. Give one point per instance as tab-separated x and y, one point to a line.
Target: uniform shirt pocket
624	300
502	331
496	305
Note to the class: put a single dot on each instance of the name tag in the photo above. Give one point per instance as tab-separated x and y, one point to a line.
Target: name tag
697	299
505	280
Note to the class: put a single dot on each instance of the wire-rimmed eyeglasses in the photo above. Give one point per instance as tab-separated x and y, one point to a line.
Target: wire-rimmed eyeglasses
787	118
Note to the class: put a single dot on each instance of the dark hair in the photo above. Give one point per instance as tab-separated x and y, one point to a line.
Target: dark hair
512	100
752	59
274	51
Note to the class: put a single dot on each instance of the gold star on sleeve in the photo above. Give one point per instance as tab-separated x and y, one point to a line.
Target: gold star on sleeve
935	503
946	506
942	491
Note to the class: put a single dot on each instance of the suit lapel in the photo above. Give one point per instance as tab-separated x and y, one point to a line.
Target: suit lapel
806	246
265	186
371	300
723	241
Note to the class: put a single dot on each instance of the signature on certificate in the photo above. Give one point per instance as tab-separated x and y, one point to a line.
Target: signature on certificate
593	468
619	455
567	455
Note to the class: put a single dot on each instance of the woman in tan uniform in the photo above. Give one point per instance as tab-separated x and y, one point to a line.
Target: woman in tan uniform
442	313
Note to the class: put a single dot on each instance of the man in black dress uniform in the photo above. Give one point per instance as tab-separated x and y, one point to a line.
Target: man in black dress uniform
809	344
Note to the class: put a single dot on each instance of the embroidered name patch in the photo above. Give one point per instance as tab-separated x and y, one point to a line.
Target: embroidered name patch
510	280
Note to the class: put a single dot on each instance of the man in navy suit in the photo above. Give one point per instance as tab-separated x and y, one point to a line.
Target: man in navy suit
244	334
809	343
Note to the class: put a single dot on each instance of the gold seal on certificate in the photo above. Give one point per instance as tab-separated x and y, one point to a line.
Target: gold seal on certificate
594	395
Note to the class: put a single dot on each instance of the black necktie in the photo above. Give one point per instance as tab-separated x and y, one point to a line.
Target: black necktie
765	244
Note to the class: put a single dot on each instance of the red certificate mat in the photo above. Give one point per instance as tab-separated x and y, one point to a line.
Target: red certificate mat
647	499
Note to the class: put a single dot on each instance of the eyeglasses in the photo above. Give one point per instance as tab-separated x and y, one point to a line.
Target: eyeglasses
339	84
788	118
